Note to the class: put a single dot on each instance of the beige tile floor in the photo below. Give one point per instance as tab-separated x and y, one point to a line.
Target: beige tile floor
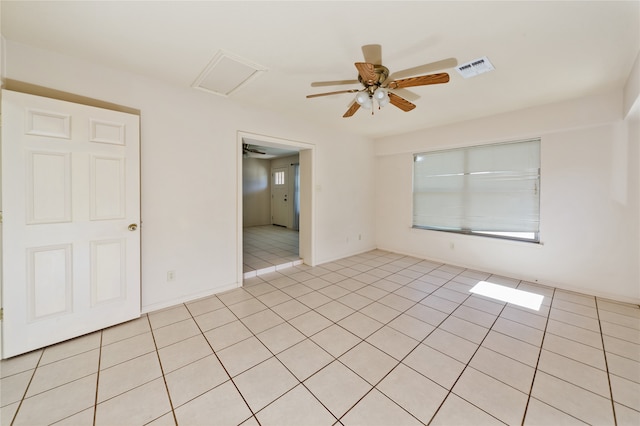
268	246
374	339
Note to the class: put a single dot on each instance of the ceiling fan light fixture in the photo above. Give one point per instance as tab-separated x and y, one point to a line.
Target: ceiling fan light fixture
362	98
380	94
384	101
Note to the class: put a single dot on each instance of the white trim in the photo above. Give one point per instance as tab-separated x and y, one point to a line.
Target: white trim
186	299
346	256
275	268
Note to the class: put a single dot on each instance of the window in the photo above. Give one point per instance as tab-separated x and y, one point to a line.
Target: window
278	178
490	190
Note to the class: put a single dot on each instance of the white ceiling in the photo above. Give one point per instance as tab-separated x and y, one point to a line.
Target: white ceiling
542	51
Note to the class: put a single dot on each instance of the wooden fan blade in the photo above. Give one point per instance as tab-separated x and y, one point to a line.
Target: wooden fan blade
372	53
401	103
333	83
367	72
422	80
425	69
332	93
352	110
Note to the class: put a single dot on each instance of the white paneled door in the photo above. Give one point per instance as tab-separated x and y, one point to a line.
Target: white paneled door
71	215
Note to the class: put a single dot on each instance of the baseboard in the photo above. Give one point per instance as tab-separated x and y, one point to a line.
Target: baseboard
188	298
333	259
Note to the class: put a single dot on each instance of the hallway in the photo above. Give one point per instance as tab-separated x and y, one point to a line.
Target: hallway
268	246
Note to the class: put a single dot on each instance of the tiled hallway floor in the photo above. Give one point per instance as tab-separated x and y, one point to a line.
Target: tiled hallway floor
268	246
374	339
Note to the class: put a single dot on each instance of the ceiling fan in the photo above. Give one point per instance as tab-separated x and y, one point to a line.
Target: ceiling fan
382	87
248	149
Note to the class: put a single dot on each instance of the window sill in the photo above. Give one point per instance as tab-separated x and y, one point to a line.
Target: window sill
494	237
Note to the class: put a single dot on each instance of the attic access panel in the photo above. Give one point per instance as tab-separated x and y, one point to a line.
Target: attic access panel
227	73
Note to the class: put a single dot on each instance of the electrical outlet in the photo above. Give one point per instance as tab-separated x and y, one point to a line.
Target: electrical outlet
171	275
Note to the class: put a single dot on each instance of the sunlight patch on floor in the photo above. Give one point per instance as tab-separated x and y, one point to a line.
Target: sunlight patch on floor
508	294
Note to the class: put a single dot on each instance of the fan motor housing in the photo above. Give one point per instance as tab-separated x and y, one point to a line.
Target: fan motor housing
381	71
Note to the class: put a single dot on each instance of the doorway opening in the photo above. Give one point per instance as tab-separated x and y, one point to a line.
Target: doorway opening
274	204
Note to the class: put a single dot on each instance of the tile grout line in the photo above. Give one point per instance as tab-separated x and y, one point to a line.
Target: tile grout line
253	415
535	370
606	364
419	342
164	379
375	386
569	338
24	395
274	355
57	386
557	377
95	401
450	391
334	358
300	382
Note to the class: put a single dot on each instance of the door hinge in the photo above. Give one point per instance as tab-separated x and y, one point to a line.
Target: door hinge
1	314
0	217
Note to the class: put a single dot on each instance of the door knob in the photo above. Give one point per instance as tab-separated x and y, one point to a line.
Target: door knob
133	227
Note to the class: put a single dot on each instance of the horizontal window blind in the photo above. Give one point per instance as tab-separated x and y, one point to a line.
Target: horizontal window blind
488	188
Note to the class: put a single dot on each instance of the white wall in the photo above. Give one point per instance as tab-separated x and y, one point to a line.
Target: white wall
589	198
256	192
285	161
189	171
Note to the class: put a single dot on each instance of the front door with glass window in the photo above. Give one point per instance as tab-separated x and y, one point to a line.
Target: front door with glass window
279	196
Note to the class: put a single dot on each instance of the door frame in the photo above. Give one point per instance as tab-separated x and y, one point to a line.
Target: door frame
307	183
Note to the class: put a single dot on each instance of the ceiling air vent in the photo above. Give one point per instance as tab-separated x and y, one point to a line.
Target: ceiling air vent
226	73
475	67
